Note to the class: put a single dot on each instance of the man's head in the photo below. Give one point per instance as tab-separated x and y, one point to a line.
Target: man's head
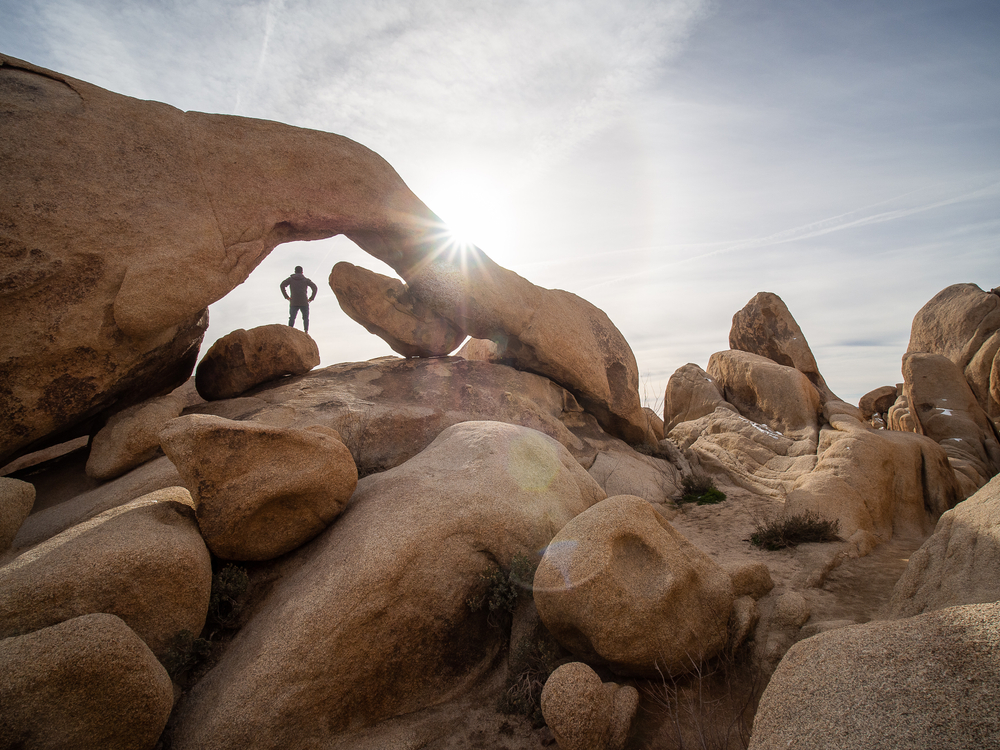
298	269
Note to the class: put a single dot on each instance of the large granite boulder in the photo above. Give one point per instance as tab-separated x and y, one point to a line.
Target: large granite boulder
87	683
878	402
132	436
584	713
630	473
691	394
958	564
388	309
16	500
765	327
944	408
260	491
144	562
243	359
371	619
778	397
923	683
618	585
956	323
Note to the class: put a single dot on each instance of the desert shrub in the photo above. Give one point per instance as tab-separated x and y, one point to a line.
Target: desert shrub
700	490
502	589
801	528
531	662
185	653
229	588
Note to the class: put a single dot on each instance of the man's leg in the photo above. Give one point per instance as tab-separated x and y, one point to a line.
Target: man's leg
305	318
293	312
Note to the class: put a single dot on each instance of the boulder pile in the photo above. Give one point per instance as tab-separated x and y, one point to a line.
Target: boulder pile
498	548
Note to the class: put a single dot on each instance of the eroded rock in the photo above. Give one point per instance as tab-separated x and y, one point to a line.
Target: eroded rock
243	359
386	308
619	586
144	562
16	499
89	682
338	645
260	491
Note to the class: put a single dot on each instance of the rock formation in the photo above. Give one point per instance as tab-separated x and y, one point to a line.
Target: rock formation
386	308
664	604
372	616
260	491
16	499
243	359
144	562
585	714
929	681
87	682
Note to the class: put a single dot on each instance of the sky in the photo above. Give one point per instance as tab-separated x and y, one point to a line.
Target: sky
664	160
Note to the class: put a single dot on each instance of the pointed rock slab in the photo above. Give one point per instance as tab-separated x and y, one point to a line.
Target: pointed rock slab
958	564
618	585
144	562
89	682
944	408
765	327
246	358
386	308
546	331
260	491
371	619
923	683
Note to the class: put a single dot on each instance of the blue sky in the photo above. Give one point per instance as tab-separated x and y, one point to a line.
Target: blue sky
665	160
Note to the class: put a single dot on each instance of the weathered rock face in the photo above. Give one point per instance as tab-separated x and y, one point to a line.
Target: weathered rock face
337	645
585	714
943	407
89	682
388	410
16	499
386	308
144	257
765	327
619	586
778	397
260	491
691	394
243	359
925	682
144	562
878	401
131	437
532	328
956	323
874	480
958	564
630	473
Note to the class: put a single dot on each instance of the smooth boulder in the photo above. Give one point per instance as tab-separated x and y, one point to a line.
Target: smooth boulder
585	714
260	491
246	358
618	585
371	619
87	683
923	683
691	394
958	563
389	310
144	562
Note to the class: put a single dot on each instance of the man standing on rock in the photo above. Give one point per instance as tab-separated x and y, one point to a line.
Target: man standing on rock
298	284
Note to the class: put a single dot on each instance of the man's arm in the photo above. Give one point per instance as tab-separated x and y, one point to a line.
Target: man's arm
284	287
314	290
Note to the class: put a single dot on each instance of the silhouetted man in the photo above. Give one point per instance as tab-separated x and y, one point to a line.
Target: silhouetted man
297	284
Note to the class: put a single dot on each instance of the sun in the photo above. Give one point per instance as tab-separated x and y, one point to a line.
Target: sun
474	213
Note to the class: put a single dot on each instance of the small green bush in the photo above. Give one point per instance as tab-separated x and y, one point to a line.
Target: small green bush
802	528
503	589
530	664
701	491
